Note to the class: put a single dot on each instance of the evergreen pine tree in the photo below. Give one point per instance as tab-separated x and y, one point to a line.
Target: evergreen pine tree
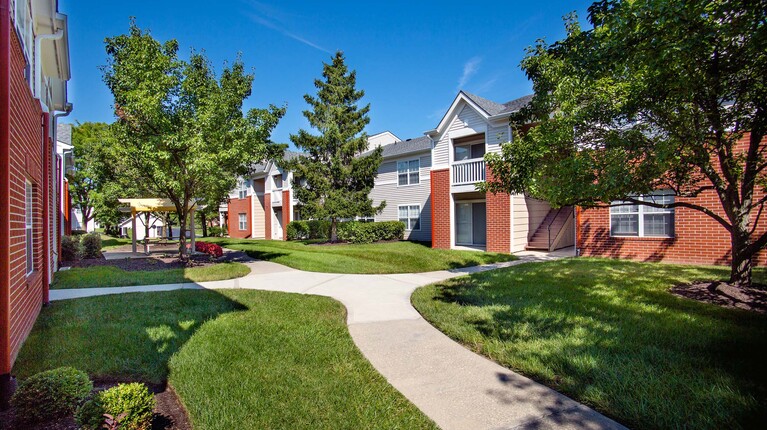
332	179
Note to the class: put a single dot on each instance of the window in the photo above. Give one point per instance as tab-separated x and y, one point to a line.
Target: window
467	152
22	17
628	219
277	181
242	192
407	171
243	222
411	216
28	227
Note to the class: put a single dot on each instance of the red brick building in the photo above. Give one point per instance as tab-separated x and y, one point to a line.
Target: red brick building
34	70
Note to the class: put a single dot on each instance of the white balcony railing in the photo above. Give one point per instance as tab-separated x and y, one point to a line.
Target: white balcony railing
468	171
277	198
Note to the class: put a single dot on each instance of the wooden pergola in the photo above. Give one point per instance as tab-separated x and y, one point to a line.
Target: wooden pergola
137	206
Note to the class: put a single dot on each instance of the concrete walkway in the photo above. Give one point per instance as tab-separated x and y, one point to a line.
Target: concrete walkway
455	387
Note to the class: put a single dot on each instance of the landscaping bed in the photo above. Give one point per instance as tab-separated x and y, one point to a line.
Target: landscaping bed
610	334
374	258
236	358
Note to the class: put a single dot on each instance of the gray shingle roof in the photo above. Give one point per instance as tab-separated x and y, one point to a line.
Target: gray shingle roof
261	167
493	108
64	133
407	146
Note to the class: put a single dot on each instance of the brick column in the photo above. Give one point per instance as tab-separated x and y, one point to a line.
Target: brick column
285	213
440	209
498	207
268	215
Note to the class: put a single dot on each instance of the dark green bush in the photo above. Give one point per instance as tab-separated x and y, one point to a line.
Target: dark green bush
215	231
369	232
78	232
312	229
90	245
50	394
134	400
70	248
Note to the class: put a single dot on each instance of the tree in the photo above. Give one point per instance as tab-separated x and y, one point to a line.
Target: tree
332	180
656	95
86	179
180	129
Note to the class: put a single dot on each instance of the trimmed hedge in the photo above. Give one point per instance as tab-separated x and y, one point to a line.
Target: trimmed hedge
51	394
134	400
90	245
348	231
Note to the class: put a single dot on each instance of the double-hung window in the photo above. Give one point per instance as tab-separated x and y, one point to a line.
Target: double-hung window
243	218
627	219
407	172
28	226
411	216
242	192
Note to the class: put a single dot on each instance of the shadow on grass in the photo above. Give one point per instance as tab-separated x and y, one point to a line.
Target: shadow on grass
266	255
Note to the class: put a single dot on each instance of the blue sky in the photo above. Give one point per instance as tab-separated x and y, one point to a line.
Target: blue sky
411	57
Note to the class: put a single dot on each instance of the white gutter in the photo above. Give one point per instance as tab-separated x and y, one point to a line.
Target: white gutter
38	62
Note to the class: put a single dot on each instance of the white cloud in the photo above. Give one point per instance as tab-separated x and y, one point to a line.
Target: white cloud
274	19
470	68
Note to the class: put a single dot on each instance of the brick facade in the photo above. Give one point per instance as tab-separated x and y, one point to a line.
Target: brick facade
440	209
285	213
698	238
27	148
268	216
237	207
498	206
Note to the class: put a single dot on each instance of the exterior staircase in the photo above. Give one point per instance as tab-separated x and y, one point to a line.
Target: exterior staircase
544	237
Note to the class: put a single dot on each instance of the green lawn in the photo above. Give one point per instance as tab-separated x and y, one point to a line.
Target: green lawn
110	276
609	334
237	358
110	242
385	257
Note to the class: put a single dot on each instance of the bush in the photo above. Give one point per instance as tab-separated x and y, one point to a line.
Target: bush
212	249
50	394
313	229
369	232
215	231
70	248
90	245
134	400
78	232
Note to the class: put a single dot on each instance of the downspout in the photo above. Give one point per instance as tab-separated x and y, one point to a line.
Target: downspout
38	52
45	118
6	382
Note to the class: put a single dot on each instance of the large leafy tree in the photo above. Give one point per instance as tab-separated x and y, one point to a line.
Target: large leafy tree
657	94
332	178
180	129
86	180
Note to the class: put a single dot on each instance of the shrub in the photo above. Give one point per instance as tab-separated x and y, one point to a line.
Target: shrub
78	232
215	231
131	403
50	394
312	229
90	245
369	232
212	249
70	248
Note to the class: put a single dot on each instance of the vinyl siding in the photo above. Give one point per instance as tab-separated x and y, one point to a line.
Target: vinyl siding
527	215
386	189
495	137
259	210
467	119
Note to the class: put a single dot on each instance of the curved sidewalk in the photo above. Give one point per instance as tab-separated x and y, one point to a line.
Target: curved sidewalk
455	387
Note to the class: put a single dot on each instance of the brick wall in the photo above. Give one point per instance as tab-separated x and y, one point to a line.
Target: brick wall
235	208
440	209
698	238
268	216
25	163
285	213
498	220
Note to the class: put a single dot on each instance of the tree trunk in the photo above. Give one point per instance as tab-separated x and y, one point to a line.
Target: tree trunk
182	218
740	273
333	230
204	224
146	233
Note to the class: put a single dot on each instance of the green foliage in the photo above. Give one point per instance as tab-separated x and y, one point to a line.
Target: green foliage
369	232
70	248
331	179
50	394
655	95
180	127
133	403
91	142
216	231
312	229
90	245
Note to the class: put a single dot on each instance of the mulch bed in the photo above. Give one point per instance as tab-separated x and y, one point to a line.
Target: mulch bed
723	294
160	261
169	414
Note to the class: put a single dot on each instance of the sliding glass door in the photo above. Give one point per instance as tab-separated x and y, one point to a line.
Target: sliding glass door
471	223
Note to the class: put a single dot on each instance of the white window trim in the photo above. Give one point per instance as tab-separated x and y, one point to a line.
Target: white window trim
242	192
640	214
408	171
242	218
29	227
407	224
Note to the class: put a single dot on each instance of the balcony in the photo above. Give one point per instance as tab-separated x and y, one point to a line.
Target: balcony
277	198
467	172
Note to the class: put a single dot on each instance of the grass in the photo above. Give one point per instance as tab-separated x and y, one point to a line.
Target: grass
236	358
609	334
110	242
111	276
385	257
